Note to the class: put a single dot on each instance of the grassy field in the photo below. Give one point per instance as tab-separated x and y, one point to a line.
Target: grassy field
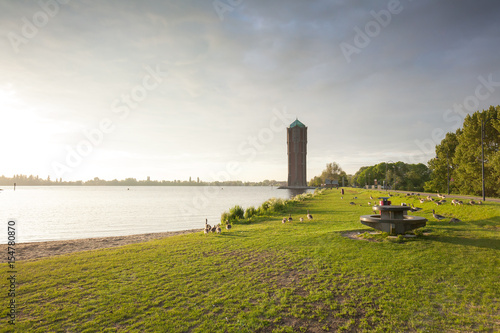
267	276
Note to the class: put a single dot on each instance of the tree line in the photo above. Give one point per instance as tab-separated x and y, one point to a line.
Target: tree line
457	165
458	162
397	176
24	180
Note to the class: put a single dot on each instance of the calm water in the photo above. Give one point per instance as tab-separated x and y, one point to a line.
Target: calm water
44	213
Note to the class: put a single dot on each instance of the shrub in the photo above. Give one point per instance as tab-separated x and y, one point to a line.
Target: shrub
236	213
277	205
249	212
224	217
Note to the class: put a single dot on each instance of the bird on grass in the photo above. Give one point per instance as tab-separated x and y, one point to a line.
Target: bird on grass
284	220
207	227
371	198
301	219
352	203
309	216
454	220
228	225
437	216
290	218
218	229
415	209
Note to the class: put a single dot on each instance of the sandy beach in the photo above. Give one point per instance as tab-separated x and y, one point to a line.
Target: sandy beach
37	250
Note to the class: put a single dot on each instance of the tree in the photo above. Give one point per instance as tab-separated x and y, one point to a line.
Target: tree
333	171
468	153
399	175
443	165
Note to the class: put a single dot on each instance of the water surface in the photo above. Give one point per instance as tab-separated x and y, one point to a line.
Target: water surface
44	213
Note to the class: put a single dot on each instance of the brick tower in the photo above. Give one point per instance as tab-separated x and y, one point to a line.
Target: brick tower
297	151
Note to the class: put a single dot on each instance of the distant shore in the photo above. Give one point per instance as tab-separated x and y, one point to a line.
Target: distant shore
37	250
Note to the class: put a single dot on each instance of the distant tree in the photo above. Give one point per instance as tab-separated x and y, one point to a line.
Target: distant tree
399	175
333	171
444	162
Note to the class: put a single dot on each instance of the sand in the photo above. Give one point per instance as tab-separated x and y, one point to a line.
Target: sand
37	250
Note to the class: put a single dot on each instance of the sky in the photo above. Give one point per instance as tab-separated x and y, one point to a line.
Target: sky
191	88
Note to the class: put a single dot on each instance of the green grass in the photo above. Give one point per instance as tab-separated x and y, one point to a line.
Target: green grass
267	276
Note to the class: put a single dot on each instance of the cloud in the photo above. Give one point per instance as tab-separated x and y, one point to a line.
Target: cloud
224	78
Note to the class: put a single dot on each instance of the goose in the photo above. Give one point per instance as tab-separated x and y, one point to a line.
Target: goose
415	209
454	220
369	203
422	201
290	218
214	228
284	220
371	198
352	203
301	219
309	216
228	225
437	216
218	229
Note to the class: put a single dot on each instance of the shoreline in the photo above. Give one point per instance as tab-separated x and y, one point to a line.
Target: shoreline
37	250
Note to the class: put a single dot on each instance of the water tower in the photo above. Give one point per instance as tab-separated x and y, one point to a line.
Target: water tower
297	151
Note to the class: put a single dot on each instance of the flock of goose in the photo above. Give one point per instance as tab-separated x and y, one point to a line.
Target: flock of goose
216	228
441	201
301	219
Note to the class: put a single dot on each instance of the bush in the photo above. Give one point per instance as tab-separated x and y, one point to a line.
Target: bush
236	213
249	212
224	217
277	205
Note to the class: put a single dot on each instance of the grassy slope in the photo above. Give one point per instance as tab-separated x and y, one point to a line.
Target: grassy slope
268	276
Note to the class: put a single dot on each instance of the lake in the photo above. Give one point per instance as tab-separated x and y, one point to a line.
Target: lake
45	213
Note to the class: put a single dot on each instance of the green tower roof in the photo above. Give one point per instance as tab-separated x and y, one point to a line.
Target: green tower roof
297	123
